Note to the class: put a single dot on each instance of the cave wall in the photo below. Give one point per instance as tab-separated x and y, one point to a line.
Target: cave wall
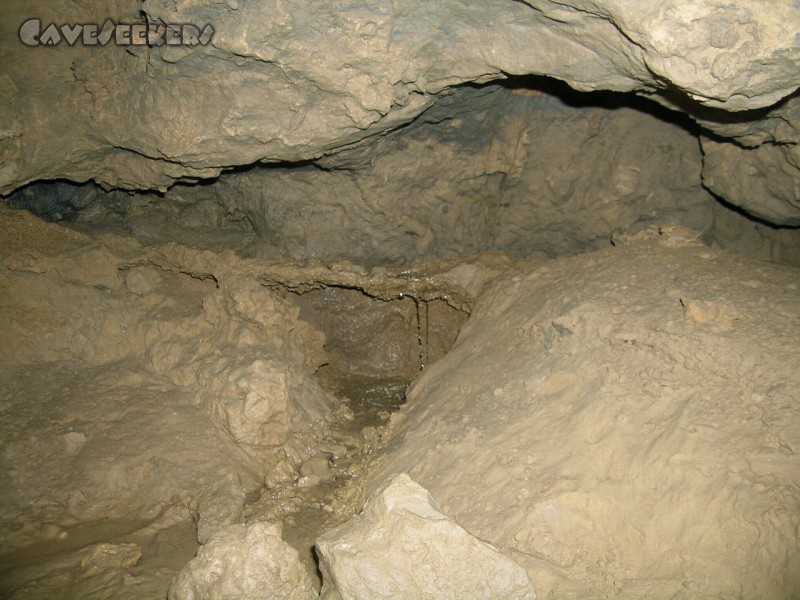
528	168
109	343
757	239
532	168
292	82
515	170
358	133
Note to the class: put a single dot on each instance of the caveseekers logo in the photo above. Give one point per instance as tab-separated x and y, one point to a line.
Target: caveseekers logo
121	34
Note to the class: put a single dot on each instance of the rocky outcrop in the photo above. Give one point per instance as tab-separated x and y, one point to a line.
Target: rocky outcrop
220	505
529	169
403	547
524	171
289	82
756	240
133	381
764	181
625	422
759	171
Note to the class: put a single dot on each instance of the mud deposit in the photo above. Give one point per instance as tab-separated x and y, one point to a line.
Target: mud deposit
619	423
138	379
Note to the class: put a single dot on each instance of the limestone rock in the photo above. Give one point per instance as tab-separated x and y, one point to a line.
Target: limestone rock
289	82
762	180
756	240
626	421
520	174
244	563
403	547
219	506
118	397
522	170
111	556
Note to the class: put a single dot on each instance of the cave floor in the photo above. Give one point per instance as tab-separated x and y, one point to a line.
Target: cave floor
325	496
620	422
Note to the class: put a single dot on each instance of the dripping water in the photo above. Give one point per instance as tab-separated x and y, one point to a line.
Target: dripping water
423	331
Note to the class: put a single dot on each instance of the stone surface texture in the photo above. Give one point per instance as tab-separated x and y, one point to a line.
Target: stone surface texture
624	422
244	563
220	505
531	170
401	546
287	81
138	377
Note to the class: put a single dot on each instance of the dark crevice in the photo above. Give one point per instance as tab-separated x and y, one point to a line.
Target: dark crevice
376	347
750	217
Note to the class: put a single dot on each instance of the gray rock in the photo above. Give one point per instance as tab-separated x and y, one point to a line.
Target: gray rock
244	563
219	506
403	547
764	181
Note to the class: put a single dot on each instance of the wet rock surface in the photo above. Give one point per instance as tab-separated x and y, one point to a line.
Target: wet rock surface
160	394
224	372
220	505
618	422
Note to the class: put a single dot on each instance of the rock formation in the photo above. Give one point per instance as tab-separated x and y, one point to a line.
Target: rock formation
620	421
285	82
403	547
517	226
244	563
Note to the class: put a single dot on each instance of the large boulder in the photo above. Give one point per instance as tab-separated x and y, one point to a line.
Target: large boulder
626	422
403	547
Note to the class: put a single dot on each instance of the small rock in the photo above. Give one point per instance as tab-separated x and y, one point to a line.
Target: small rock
111	556
717	314
335	451
142	280
74	441
308	481
625	237
318	466
676	236
51	531
282	473
220	506
244	563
